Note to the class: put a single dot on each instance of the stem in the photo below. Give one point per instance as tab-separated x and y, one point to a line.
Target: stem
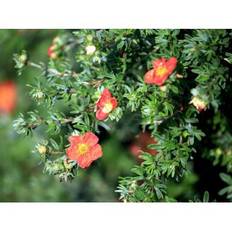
35	65
34	125
67	120
56	152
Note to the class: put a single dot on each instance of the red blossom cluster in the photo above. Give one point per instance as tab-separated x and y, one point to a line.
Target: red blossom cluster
84	149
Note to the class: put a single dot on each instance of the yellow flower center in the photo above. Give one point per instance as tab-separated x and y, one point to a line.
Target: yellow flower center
107	107
82	148
160	71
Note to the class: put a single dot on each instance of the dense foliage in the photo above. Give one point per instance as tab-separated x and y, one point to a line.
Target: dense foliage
188	114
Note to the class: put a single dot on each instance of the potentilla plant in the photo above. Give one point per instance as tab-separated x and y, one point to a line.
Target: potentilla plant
95	77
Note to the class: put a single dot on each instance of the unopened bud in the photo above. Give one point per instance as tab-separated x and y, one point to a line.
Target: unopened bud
57	41
198	103
52	52
42	149
90	49
23	58
89	37
163	88
179	75
39	95
68	165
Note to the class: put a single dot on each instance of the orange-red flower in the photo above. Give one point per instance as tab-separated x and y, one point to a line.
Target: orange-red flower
162	69
84	149
8	96
52	53
105	105
140	144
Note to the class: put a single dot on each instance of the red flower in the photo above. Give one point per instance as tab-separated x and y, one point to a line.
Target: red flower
162	69
105	105
84	149
8	97
52	53
140	144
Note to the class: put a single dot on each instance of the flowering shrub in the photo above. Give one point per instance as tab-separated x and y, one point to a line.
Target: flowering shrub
165	78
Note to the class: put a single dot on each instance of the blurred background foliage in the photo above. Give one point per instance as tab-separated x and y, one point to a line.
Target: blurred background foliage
21	176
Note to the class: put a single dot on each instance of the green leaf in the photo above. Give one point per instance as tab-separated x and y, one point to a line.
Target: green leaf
206	196
226	178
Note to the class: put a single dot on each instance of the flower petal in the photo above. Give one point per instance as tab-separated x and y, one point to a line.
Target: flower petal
171	64
96	152
74	139
149	77
160	80
106	93
71	153
114	102
159	62
90	139
105	96
84	161
100	115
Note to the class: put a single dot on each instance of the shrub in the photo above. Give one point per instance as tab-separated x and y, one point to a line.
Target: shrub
173	84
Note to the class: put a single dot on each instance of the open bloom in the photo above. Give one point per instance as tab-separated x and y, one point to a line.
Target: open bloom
105	105
140	144
84	149
198	103
8	96
162	69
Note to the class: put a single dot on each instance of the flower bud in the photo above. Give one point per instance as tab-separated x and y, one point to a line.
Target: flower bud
23	58
20	60
218	151
52	52
163	88
41	149
89	37
179	75
198	103
90	49
57	40
38	95
67	164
